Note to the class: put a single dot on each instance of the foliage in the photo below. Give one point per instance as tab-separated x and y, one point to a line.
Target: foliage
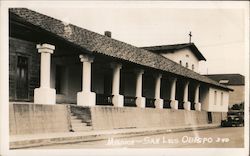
238	106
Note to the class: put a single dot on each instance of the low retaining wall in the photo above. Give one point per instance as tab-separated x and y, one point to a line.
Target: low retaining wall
35	118
128	117
217	117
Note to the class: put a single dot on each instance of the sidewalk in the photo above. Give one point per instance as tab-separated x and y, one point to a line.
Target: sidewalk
24	141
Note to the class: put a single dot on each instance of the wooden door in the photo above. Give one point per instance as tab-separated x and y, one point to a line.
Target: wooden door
22	78
209	115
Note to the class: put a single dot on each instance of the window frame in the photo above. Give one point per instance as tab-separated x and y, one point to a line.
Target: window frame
222	98
215	97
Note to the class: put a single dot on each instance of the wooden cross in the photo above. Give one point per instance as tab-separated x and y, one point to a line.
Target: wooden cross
190	36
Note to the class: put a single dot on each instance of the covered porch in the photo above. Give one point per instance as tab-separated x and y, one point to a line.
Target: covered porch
97	80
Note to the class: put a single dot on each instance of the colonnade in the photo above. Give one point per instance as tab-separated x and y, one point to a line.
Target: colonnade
46	95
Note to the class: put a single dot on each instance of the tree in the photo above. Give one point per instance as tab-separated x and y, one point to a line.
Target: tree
238	106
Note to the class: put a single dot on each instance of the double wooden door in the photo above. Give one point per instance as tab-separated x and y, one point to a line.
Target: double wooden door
22	78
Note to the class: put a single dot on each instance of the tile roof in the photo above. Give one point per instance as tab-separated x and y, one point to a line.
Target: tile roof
175	47
101	44
232	79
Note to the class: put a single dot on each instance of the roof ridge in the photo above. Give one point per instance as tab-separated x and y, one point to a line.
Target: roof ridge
225	74
162	45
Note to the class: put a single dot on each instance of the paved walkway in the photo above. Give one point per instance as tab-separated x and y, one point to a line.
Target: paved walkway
24	141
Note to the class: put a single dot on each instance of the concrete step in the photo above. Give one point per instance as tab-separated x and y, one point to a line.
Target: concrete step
82	128
75	121
73	117
79	124
88	123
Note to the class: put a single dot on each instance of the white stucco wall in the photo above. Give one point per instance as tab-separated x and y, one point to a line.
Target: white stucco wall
186	56
204	98
218	102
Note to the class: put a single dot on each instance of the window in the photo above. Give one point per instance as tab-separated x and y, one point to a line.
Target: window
180	62
221	98
215	97
192	67
186	65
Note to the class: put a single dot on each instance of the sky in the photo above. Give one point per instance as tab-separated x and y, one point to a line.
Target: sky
218	33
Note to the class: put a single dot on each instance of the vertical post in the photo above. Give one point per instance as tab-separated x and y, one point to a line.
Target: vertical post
117	98
187	104
197	103
190	36
158	100
140	101
86	97
44	94
173	102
